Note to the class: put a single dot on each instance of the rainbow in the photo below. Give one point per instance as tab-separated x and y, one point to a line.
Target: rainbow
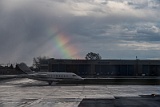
62	48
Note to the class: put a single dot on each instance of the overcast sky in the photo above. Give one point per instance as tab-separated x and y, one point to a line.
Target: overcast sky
116	29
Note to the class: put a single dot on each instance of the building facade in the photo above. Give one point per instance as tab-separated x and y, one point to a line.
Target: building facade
103	68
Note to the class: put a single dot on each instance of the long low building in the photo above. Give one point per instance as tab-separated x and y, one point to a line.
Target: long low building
103	68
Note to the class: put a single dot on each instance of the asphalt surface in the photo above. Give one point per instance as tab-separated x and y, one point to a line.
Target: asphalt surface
122	102
31	93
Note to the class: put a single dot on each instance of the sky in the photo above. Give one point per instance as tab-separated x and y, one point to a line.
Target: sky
69	29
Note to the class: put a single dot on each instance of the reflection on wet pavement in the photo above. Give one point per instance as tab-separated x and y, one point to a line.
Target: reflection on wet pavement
30	93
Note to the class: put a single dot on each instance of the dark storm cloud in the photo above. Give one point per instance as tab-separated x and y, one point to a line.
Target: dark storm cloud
21	32
102	26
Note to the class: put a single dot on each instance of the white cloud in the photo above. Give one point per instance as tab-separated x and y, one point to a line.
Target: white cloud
133	45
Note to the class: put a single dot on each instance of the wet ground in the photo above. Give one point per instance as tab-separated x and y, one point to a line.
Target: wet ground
122	102
31	93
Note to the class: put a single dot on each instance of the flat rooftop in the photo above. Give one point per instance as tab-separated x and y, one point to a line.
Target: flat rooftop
31	93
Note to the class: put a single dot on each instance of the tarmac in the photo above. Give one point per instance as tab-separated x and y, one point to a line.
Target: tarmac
32	93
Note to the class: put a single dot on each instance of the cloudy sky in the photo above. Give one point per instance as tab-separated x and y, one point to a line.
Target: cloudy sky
116	29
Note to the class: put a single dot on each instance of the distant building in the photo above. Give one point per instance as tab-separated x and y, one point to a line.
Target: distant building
9	70
103	68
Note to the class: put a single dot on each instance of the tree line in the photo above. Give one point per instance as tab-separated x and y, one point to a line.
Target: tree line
39	60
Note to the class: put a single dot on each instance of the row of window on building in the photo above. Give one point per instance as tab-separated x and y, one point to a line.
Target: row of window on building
106	70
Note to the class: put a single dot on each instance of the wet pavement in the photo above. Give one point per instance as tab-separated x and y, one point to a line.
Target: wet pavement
31	93
121	102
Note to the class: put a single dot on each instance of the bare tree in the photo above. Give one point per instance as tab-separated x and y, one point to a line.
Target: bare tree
39	60
93	56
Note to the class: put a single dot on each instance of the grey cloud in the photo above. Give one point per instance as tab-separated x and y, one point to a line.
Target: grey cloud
154	3
24	29
148	35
